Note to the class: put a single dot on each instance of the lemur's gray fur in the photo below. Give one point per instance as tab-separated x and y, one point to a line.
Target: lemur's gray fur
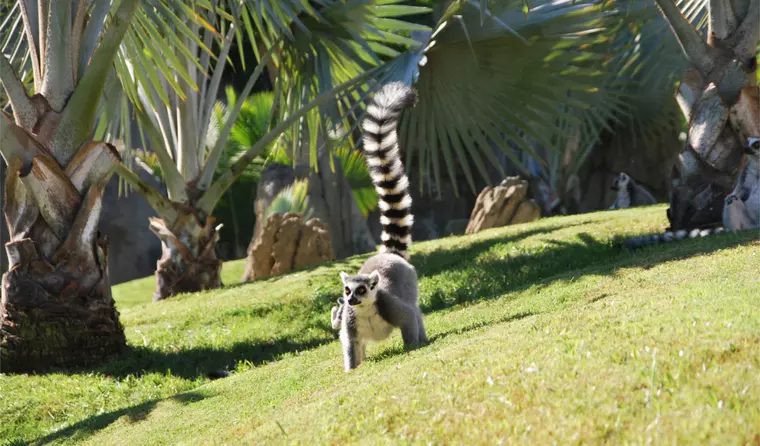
630	193
741	208
383	295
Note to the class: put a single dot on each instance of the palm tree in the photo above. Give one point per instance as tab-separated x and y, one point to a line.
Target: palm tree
719	96
320	53
57	308
543	88
252	124
537	88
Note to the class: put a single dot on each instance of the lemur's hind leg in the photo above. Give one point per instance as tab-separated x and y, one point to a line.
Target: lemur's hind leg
404	316
422	336
410	333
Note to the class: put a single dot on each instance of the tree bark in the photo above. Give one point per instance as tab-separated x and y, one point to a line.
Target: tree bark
333	203
188	262
721	101
56	308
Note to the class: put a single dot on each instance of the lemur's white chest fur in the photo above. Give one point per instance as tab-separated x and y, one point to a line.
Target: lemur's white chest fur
623	199
370	326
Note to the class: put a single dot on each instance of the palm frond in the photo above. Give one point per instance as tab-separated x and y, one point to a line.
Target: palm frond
356	173
538	90
293	198
252	124
328	61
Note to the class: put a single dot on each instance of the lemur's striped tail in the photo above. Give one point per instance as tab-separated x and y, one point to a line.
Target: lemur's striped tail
385	167
634	243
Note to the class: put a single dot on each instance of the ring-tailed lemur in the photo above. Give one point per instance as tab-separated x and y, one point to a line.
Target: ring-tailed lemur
384	293
630	193
741	208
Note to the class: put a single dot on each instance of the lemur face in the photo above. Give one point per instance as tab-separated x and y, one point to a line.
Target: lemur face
361	289
753	146
621	181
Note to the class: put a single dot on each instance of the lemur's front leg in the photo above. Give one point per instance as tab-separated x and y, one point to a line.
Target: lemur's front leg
353	349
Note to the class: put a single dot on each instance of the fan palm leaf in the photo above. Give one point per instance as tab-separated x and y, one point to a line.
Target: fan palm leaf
293	198
494	82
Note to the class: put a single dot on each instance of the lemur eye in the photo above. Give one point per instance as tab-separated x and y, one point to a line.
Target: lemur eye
348	291
361	290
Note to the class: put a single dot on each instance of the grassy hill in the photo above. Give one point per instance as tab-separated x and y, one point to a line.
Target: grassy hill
539	332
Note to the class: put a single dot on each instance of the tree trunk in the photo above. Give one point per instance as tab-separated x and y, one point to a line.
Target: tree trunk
333	203
57	309
188	262
720	98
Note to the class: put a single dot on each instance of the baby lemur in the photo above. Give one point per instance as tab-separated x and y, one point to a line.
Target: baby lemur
741	208
383	295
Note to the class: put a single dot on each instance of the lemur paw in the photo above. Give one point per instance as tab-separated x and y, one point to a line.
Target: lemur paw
335	318
336	314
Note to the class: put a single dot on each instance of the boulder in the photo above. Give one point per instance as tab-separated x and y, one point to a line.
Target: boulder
526	212
285	243
503	205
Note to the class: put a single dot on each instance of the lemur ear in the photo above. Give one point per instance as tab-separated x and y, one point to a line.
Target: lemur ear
343	277
374	278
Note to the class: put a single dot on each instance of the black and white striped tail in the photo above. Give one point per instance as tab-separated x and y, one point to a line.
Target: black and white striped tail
634	243
385	167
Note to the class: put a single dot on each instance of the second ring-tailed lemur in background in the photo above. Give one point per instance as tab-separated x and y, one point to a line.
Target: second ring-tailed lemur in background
383	295
630	193
741	209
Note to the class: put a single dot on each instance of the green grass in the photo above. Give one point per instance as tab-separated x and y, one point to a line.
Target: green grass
539	333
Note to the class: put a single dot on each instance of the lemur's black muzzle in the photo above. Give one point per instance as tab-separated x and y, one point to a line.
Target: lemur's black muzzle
353	301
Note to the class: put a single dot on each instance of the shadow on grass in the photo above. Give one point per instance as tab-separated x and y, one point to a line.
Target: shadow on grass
197	362
450	277
474	274
192	363
434	262
89	426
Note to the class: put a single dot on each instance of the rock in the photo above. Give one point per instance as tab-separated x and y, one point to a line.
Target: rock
527	212
511	181
285	243
502	205
315	246
331	201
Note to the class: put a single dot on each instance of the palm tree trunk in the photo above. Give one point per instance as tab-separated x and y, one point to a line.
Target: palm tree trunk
188	262
720	98
57	309
333	203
